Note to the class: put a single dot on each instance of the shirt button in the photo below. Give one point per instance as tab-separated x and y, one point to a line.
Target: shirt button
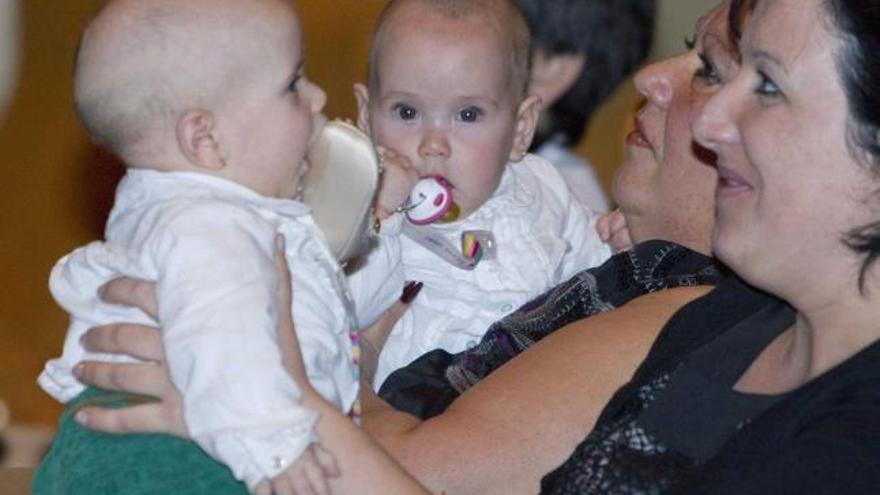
278	462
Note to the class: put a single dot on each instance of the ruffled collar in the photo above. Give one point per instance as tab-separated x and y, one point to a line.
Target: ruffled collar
139	185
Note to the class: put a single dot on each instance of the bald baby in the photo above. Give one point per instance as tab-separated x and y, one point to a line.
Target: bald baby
206	103
141	64
499	18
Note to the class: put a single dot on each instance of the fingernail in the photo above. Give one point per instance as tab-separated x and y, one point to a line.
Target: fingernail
410	291
101	290
77	370
82	418
279	242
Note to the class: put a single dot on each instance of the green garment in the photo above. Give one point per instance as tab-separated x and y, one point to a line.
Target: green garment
82	461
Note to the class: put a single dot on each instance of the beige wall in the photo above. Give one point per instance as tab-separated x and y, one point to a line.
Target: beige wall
56	187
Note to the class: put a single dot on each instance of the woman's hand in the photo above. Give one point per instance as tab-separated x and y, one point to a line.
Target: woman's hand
150	378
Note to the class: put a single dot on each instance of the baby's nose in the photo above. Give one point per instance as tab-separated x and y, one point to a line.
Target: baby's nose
434	144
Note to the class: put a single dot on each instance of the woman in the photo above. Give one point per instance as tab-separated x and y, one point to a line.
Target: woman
782	394
478	446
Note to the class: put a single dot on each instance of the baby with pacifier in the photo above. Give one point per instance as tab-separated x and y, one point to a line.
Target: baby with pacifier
464	209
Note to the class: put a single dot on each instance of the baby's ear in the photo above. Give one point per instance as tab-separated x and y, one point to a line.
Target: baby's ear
526	122
197	141
362	95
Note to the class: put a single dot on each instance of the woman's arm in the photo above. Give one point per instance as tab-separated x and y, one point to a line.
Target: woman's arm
523	420
502	435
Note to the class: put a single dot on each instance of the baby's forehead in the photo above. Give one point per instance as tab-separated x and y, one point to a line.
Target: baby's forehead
422	25
410	31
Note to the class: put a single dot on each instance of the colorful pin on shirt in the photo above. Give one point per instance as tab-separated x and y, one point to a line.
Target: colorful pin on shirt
471	247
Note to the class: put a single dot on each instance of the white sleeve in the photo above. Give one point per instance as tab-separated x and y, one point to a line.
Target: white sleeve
377	280
216	292
74	283
586	249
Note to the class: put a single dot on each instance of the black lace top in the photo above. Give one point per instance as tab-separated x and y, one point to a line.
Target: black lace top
677	413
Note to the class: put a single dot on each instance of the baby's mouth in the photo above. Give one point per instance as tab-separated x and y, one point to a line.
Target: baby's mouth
430	201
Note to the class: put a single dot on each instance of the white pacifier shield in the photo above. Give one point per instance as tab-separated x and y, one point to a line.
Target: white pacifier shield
429	200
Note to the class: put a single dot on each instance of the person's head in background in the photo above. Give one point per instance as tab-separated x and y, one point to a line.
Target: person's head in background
446	90
208	86
665	185
581	51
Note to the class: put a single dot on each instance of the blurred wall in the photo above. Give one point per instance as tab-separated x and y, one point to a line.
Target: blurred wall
56	187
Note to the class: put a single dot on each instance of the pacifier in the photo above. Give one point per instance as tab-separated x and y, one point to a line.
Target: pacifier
431	201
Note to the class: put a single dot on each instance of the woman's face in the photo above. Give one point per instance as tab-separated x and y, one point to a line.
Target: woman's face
789	188
665	185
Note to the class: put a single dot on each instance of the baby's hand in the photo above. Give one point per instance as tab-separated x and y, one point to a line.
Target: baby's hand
398	179
307	476
612	230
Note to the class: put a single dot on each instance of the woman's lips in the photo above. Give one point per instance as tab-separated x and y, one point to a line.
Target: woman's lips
637	136
731	183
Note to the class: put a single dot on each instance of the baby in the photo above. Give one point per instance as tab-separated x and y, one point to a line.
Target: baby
206	103
446	97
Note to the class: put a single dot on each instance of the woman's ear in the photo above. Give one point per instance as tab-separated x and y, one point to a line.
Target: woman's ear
362	95
527	116
197	140
553	75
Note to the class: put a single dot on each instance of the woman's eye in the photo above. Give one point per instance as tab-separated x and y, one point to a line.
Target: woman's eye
470	114
766	87
405	112
707	70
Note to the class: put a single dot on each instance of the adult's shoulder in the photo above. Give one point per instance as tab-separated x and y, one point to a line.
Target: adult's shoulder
730	303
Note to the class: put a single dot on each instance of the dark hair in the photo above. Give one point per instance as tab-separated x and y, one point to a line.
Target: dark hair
615	37
858	27
736	16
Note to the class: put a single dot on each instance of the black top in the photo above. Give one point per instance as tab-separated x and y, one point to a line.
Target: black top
822	439
680	408
678	427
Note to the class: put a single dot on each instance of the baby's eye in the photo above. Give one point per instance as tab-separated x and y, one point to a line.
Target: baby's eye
470	114
294	85
404	111
297	81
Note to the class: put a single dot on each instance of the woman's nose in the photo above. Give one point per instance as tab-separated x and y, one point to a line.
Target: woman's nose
715	124
654	82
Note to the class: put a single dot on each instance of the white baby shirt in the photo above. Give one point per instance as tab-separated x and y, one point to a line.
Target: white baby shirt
578	173
543	234
208	243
